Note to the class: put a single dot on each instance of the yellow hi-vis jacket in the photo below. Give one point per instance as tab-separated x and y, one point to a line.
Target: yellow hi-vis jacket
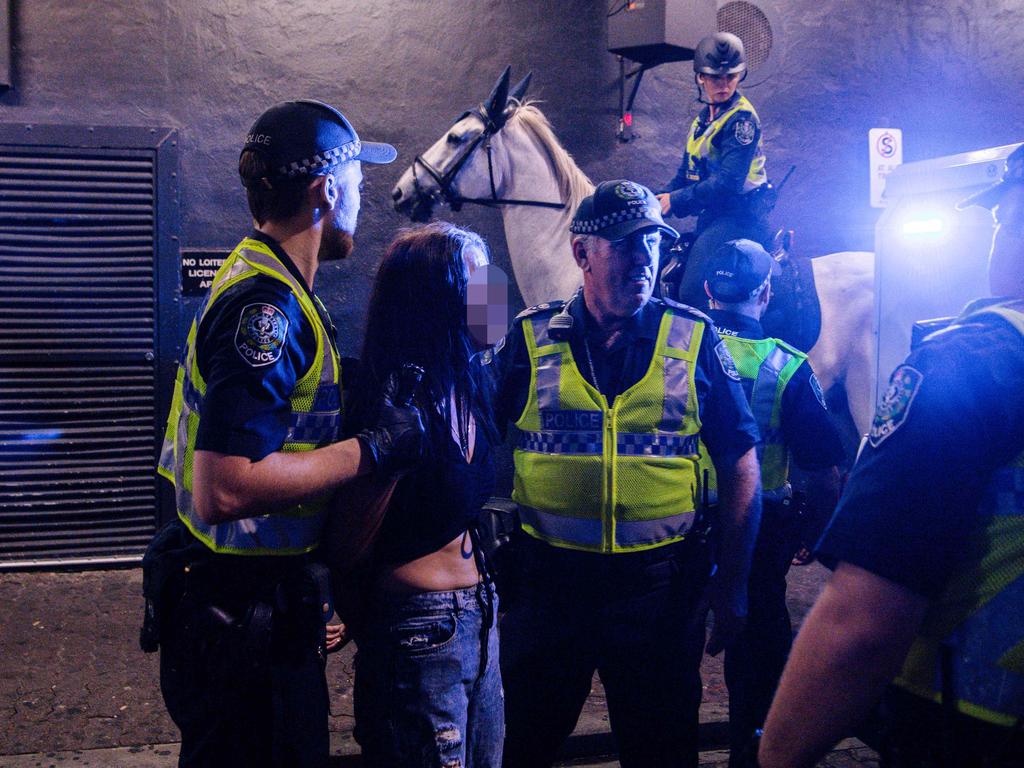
770	365
702	156
297	529
979	618
609	478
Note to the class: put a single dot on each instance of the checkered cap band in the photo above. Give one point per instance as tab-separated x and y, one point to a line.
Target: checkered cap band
310	166
592	226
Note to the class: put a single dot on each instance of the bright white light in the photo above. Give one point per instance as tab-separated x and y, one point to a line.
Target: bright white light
933	226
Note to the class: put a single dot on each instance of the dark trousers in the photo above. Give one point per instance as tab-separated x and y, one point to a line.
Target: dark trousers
753	665
634	618
241	696
711	233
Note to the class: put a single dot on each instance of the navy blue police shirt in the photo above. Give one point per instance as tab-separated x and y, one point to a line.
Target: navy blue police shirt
728	427
807	428
953	413
247	408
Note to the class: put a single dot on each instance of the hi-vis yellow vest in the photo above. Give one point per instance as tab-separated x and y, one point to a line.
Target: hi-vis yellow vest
769	364
702	156
609	478
979	619
315	421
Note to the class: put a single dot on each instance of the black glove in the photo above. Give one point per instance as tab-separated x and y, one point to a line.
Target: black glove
396	440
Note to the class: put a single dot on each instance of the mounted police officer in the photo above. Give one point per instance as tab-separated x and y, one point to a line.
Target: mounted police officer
788	405
929	541
611	394
252	450
722	179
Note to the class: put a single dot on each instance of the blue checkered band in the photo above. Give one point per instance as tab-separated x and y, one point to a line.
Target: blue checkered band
586	443
189	394
310	166
592	226
656	445
316	428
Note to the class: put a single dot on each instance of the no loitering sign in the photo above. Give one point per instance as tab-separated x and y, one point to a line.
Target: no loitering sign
198	268
885	150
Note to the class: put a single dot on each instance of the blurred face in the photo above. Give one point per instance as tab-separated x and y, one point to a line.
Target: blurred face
719	88
1006	259
618	277
340	225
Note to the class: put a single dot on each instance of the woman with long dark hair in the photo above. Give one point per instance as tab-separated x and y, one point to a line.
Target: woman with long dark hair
428	686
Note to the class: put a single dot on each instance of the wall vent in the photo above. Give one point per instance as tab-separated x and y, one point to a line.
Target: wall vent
89	303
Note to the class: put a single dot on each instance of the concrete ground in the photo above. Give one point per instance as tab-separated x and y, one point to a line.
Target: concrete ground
76	690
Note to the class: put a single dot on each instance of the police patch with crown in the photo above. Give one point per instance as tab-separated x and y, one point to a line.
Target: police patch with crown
627	190
262	329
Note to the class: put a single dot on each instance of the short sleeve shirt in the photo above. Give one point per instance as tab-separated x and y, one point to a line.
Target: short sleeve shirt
807	428
247	409
952	414
727	425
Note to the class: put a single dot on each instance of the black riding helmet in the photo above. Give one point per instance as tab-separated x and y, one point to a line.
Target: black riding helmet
719	54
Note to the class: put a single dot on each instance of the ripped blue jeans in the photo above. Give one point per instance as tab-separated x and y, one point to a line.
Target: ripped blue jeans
428	685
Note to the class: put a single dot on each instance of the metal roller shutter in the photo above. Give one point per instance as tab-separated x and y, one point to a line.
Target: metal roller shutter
83	348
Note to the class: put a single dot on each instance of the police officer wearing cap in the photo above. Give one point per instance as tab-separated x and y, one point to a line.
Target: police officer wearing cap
252	448
611	394
788	405
721	180
924	609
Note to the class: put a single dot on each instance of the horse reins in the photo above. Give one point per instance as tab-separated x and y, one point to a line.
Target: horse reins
446	181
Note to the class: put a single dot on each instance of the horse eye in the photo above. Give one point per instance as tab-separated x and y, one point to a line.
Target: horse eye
454	138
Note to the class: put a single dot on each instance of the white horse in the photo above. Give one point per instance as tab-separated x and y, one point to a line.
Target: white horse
505	154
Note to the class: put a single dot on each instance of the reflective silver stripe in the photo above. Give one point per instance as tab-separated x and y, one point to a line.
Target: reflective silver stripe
762	398
189	394
270	532
680	333
569	529
647	444
549	382
577	443
676	394
540	331
636	532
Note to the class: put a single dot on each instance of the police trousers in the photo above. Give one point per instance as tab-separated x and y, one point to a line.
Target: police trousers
634	618
242	671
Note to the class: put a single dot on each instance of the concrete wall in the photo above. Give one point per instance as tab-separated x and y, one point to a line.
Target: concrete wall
947	73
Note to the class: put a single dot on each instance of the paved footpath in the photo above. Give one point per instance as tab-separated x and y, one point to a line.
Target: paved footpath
75	690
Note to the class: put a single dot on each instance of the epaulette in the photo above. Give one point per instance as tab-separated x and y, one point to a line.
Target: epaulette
686	308
538	308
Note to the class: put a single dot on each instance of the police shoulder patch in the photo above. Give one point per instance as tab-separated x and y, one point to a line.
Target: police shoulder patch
725	358
262	330
745	131
894	407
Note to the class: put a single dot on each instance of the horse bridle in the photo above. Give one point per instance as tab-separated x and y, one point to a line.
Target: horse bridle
446	181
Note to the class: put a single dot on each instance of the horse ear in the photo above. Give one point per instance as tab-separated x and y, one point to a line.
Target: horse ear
499	96
519	90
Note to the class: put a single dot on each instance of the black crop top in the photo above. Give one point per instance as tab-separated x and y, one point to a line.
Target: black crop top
436	502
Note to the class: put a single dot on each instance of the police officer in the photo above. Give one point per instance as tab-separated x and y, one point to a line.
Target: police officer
609	393
788	405
929	541
252	451
721	179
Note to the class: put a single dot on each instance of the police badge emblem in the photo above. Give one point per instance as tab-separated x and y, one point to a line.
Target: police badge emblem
725	358
262	329
745	131
627	190
894	407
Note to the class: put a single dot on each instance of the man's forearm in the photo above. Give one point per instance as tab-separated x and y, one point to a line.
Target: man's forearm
850	646
232	487
739	517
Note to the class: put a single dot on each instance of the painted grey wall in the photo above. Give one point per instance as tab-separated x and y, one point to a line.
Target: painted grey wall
947	73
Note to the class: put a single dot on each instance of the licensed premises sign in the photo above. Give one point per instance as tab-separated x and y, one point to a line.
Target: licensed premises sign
198	269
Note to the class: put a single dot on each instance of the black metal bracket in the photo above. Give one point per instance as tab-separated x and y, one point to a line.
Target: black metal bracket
625	132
